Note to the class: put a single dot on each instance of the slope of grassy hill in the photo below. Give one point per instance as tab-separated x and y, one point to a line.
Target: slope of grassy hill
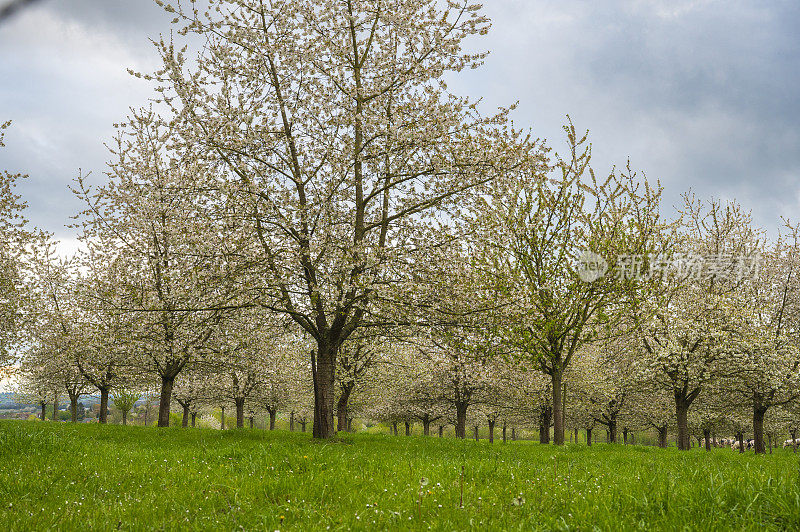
80	477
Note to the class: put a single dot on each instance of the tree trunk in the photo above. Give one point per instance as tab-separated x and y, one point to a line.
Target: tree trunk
491	431
662	436
576	435
426	425
167	384
73	408
291	422
394	428
612	429
545	416
251	421
185	420
682	413
793	433
350	424
124	418
44	409
758	427
272	413
55	410
194	417
513	434
476	432
239	412
625	436
103	417
558	410
408	428
740	437
589	437
461	420
303	424
707	436
324	376
564	405
222	419
504	432
341	408
441	430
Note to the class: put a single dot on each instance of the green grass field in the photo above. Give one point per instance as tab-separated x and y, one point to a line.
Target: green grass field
80	477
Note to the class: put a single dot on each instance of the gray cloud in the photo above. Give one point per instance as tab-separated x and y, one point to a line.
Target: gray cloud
699	93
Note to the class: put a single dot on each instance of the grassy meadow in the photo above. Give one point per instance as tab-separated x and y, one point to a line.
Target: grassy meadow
80	477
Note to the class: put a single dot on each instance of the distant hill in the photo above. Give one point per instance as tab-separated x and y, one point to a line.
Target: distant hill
7	401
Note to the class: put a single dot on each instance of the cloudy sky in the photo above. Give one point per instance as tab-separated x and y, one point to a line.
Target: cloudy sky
700	94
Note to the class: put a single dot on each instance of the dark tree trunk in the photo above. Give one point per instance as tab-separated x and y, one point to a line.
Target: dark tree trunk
759	411
272	413
394	428
793	433
194	418
426	425
476	433
239	412
707	436
55	410
44	409
408	428
167	384
349	424
545	417
589	437
251	421
564	406
441	430
558	409
612	429
222	419
491	430
662	436
624	436
461	419
513	434
682	414
504	433
103	417
324	376
185	420
740	437
576	435
73	408
341	407
291	422
124	418
303	425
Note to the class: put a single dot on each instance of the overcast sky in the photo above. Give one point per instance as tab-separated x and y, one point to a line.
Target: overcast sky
700	94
